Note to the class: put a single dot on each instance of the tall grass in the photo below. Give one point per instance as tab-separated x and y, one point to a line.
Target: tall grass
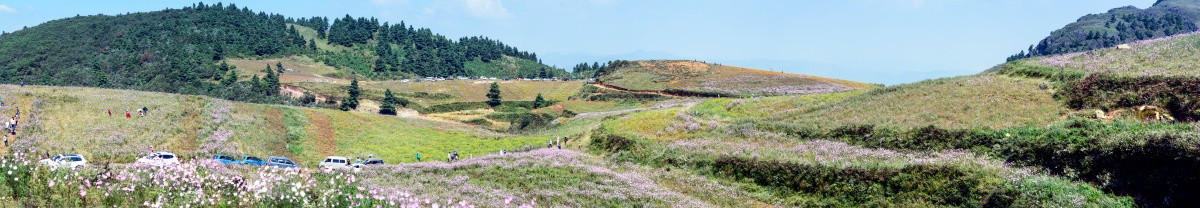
981	101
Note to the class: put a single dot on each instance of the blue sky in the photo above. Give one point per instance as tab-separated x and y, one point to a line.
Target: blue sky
880	41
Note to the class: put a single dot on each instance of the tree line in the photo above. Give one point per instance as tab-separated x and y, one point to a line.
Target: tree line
173	50
402	50
1108	30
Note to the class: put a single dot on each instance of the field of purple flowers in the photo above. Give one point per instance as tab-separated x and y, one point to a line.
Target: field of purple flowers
1167	56
200	183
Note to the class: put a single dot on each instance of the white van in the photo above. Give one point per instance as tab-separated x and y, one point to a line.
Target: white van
334	162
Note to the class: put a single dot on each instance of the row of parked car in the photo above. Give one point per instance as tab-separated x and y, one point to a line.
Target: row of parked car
331	163
75	161
275	161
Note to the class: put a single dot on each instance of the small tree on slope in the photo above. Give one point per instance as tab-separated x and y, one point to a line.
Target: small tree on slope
388	108
493	95
351	102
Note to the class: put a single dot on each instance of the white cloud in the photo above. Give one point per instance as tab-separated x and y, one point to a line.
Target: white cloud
487	8
6	9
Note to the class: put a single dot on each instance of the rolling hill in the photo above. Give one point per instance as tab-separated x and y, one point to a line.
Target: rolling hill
181	51
70	119
1118	26
712	80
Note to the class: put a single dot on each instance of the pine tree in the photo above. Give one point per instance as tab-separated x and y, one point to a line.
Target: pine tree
351	102
230	78
539	102
256	85
494	95
271	82
387	107
312	45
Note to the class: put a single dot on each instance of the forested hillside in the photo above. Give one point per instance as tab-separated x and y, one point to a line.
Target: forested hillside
183	51
1119	26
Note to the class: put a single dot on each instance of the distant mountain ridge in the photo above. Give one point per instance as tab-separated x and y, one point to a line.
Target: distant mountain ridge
1118	26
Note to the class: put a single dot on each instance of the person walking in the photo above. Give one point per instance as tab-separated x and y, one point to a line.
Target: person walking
418	156
127	114
109	112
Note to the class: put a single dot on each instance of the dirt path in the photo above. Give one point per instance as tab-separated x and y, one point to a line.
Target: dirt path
664	104
326	139
615	88
297	92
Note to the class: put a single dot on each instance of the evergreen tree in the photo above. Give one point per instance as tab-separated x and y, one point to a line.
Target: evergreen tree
493	95
539	102
387	107
256	85
271	82
351	102
230	78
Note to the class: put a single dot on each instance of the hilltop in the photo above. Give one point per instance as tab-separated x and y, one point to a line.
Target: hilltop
695	78
1118	26
185	51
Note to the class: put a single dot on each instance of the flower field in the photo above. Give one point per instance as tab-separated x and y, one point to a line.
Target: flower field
1168	56
201	183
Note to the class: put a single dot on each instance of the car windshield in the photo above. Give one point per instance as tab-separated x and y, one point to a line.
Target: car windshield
75	159
253	159
372	162
226	158
166	156
57	157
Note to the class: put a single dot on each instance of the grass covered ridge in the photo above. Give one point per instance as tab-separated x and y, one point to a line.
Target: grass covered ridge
700	77
75	120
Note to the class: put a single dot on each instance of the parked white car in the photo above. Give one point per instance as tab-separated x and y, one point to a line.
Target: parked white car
73	161
159	159
334	163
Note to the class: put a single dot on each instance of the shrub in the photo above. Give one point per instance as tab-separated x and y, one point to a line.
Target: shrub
602	141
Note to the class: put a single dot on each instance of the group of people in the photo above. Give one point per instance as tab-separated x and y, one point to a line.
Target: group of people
557	141
10	125
141	112
450	156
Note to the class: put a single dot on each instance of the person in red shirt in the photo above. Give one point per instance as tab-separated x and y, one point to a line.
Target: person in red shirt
110	112
127	114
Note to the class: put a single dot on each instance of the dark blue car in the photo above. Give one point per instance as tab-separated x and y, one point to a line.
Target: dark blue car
252	161
225	159
281	162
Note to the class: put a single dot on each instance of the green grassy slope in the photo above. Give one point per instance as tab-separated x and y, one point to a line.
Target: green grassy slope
980	101
719	139
64	119
699	77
